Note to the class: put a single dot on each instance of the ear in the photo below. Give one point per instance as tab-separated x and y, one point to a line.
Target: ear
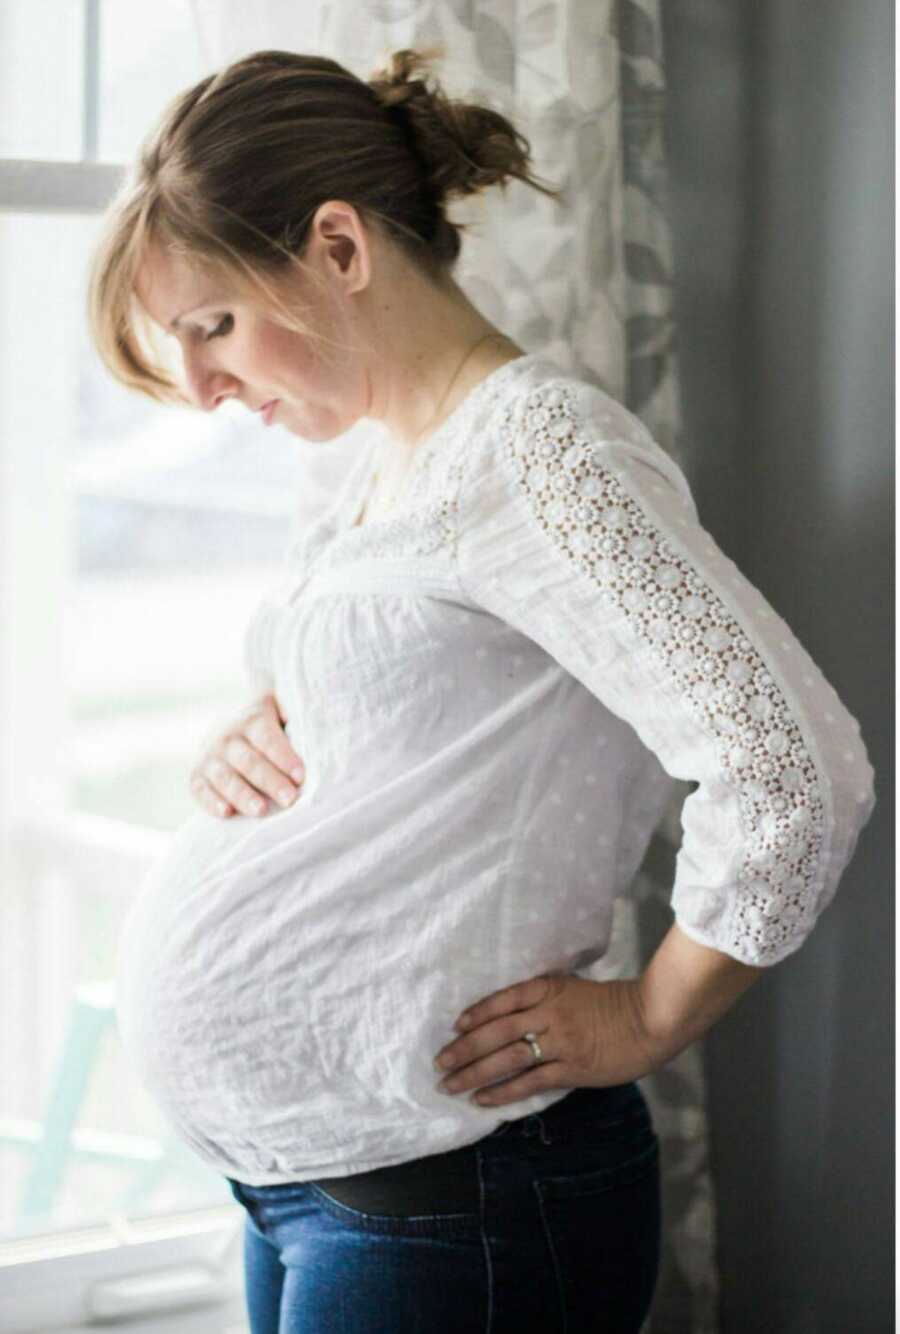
339	243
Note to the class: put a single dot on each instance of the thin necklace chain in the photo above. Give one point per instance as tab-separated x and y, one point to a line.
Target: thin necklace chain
475	346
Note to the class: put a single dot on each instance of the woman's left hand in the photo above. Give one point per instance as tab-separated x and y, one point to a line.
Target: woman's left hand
591	1035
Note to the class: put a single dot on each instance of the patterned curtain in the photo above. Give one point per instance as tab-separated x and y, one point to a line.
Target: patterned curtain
589	282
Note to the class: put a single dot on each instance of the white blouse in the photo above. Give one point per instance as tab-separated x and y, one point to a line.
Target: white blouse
491	690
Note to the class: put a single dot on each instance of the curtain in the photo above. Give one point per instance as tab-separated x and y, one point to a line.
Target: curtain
590	282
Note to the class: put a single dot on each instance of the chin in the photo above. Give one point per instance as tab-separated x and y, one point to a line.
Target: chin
314	434
322	430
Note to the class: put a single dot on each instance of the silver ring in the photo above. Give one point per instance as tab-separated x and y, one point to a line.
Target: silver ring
531	1039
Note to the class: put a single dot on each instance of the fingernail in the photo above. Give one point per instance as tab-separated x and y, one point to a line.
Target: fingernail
256	807
297	774
285	796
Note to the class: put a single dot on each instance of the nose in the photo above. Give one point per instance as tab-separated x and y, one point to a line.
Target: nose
208	387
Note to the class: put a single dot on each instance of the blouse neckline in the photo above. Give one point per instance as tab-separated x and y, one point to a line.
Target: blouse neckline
359	495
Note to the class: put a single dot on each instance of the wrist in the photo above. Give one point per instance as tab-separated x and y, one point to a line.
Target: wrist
648	1037
685	989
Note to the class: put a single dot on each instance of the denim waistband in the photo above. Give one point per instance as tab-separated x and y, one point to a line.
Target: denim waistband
449	1181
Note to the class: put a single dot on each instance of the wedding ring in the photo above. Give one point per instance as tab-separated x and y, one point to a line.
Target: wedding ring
531	1039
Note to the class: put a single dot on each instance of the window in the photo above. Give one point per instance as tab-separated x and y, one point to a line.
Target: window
136	541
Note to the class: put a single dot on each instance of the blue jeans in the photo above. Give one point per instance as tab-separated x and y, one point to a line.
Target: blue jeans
550	1224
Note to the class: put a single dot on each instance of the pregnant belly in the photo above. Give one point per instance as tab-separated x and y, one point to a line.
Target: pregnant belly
261	988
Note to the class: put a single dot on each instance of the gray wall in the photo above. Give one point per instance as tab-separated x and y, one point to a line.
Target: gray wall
780	141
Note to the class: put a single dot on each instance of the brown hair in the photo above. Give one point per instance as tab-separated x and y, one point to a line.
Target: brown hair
235	169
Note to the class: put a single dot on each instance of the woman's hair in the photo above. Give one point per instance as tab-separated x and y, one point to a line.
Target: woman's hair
231	177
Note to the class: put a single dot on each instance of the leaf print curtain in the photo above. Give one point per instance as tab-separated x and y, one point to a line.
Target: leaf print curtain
589	282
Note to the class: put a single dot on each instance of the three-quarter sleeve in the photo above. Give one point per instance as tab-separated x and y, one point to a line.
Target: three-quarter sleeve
577	529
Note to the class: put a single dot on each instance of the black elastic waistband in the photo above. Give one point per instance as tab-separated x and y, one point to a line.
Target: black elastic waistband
448	1182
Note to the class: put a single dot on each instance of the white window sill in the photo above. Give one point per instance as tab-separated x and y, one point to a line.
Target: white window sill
228	1318
186	1279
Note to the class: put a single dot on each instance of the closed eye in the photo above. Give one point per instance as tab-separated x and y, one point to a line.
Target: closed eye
220	330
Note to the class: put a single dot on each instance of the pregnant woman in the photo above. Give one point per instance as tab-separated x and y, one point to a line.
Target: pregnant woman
368	1003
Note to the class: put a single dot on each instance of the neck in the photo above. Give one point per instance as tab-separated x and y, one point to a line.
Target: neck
429	360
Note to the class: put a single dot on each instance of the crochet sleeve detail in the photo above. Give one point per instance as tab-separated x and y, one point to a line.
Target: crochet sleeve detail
575	527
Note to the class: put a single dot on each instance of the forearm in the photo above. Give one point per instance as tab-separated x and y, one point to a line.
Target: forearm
686	988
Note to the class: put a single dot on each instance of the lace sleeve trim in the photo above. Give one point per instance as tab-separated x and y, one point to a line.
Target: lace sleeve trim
696	642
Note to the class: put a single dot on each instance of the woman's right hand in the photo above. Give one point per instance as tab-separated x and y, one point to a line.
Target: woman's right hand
248	762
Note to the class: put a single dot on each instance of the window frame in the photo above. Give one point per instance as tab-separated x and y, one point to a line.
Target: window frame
49	1282
29	185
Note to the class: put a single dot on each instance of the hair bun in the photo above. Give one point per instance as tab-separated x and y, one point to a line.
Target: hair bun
463	147
391	82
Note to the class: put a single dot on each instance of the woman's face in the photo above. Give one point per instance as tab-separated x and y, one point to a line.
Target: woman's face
232	350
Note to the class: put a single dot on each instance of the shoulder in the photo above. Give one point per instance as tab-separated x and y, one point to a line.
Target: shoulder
546	395
552	427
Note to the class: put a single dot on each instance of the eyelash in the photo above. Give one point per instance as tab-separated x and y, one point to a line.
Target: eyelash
219	332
